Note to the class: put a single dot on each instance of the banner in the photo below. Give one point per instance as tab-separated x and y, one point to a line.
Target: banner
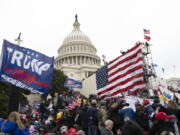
71	83
26	68
162	85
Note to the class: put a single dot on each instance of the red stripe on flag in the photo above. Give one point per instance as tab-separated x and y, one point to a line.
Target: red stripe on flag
130	50
127	88
126	66
125	74
126	59
121	83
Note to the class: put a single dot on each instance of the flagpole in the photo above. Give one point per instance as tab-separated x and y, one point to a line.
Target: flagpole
148	61
13	103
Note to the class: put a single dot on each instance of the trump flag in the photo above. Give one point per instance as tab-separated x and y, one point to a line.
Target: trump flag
26	68
71	83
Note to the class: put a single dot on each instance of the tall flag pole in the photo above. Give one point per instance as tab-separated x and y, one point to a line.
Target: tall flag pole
104	59
18	40
14	104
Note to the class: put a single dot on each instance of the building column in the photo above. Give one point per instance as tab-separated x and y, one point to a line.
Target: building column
76	59
84	60
91	60
62	61
65	60
57	63
80	59
72	60
87	60
69	60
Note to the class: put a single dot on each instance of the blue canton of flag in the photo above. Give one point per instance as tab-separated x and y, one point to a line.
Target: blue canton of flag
101	77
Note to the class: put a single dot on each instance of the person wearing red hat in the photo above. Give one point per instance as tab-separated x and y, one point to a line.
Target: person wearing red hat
162	116
72	131
162	123
146	102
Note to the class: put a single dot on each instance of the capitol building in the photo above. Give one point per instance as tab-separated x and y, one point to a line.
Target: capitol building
77	56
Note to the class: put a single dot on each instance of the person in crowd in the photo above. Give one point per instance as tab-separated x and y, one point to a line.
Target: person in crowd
102	115
72	131
68	118
172	109
82	119
148	111
131	128
92	113
14	125
55	101
43	110
81	132
126	113
113	114
61	102
162	123
108	128
140	117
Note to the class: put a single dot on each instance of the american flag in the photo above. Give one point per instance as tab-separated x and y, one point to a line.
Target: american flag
72	105
146	31
123	75
103	57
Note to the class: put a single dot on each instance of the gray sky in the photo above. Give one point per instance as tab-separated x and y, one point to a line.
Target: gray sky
112	25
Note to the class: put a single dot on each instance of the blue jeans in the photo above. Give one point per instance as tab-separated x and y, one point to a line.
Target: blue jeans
92	130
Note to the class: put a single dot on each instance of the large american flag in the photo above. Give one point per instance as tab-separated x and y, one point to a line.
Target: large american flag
123	75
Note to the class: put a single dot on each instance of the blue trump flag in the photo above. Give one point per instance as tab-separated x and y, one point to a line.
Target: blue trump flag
26	68
71	83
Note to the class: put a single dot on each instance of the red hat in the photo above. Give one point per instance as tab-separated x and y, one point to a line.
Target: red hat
72	131
146	102
162	116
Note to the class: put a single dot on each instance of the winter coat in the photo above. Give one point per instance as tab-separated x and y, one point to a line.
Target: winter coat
102	117
107	132
43	108
92	113
113	115
175	112
127	112
83	119
142	120
55	100
160	126
11	127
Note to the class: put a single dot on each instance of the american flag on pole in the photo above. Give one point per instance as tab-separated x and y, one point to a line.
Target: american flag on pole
104	57
146	31
123	75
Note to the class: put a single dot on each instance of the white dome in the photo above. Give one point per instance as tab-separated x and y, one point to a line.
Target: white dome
77	39
77	50
77	35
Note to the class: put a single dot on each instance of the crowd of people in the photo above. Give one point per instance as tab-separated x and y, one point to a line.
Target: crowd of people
74	114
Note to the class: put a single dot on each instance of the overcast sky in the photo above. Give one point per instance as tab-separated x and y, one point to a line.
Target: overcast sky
112	25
